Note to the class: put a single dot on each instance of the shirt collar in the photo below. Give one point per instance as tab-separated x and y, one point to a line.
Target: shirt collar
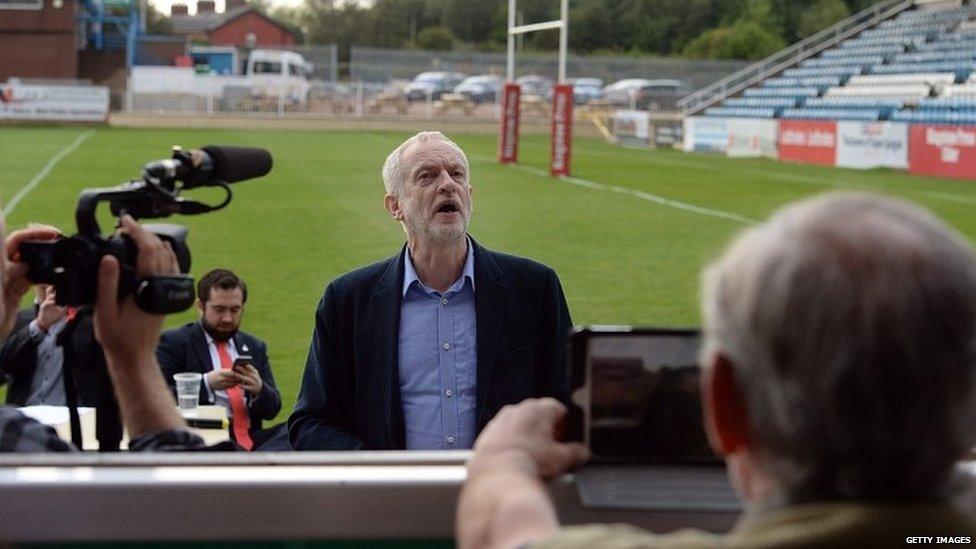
410	273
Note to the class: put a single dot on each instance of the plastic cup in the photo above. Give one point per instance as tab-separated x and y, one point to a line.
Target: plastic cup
188	390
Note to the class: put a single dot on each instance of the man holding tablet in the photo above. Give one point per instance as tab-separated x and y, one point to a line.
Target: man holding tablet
838	382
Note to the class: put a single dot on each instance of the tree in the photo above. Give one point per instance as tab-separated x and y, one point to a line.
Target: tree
743	40
435	38
820	14
156	22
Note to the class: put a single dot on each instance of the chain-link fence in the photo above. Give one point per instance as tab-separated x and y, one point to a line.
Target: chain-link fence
384	65
378	86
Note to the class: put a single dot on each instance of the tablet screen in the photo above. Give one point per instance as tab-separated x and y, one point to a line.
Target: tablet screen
639	397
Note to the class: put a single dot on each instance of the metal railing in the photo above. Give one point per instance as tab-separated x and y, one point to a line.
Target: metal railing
783	59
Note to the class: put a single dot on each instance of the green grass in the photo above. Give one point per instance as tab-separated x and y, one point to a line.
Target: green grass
622	260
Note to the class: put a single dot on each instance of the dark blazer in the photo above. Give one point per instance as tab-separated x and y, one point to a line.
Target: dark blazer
18	359
185	349
350	395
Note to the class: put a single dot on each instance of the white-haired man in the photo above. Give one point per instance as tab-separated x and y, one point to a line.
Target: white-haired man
839	380
420	350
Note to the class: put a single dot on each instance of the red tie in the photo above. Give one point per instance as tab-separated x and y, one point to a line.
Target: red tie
240	422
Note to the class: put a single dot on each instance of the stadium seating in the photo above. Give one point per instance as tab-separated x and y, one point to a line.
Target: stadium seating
917	67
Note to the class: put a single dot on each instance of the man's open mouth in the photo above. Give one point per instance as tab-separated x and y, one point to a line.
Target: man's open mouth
448	207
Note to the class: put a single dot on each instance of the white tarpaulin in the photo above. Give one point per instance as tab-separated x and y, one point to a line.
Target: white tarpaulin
750	137
59	103
866	145
706	134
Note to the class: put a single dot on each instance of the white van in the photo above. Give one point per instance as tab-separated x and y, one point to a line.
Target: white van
278	73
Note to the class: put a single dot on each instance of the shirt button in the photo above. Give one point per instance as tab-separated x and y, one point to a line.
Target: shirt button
447	346
450	440
444	301
449	393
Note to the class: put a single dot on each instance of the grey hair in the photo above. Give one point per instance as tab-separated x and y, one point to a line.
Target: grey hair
394	172
850	320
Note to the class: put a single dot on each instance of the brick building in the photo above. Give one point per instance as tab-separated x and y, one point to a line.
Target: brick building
38	39
239	25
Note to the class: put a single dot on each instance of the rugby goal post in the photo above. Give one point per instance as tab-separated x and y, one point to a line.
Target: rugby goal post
562	97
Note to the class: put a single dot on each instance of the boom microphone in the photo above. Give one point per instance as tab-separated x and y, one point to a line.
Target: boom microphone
210	165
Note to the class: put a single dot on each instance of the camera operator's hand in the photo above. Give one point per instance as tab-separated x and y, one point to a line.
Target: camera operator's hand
223	379
129	336
49	312
250	379
15	283
121	326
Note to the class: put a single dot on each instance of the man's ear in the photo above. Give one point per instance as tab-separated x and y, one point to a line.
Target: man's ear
725	412
200	305
392	204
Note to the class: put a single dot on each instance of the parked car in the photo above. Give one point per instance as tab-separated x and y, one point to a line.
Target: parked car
483	88
432	85
586	89
643	94
533	84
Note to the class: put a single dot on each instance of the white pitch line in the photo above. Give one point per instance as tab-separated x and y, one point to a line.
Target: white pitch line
33	183
640	194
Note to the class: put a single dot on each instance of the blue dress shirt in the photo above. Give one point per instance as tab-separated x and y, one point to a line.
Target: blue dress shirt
437	361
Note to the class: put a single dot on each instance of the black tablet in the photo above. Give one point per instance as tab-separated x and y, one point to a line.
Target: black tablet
634	395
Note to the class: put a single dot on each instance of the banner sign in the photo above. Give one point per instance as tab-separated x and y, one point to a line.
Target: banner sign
508	138
562	129
945	151
866	145
752	138
706	134
632	128
808	141
53	103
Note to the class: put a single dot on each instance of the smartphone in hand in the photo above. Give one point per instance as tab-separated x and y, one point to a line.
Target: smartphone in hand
240	361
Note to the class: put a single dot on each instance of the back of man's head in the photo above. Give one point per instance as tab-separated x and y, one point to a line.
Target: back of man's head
850	321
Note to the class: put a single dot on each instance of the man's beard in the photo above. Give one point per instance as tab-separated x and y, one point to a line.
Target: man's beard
438	232
217	334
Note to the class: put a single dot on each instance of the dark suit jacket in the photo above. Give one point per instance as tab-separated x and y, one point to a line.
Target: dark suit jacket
185	349
350	395
18	359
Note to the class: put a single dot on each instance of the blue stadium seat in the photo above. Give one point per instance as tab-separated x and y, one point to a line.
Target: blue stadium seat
935	117
862	60
782	92
766	102
867	115
740	112
952	103
816	72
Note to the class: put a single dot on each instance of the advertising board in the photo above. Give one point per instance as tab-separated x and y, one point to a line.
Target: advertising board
750	137
866	145
53	103
944	151
509	134
706	134
808	141
562	129
631	128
